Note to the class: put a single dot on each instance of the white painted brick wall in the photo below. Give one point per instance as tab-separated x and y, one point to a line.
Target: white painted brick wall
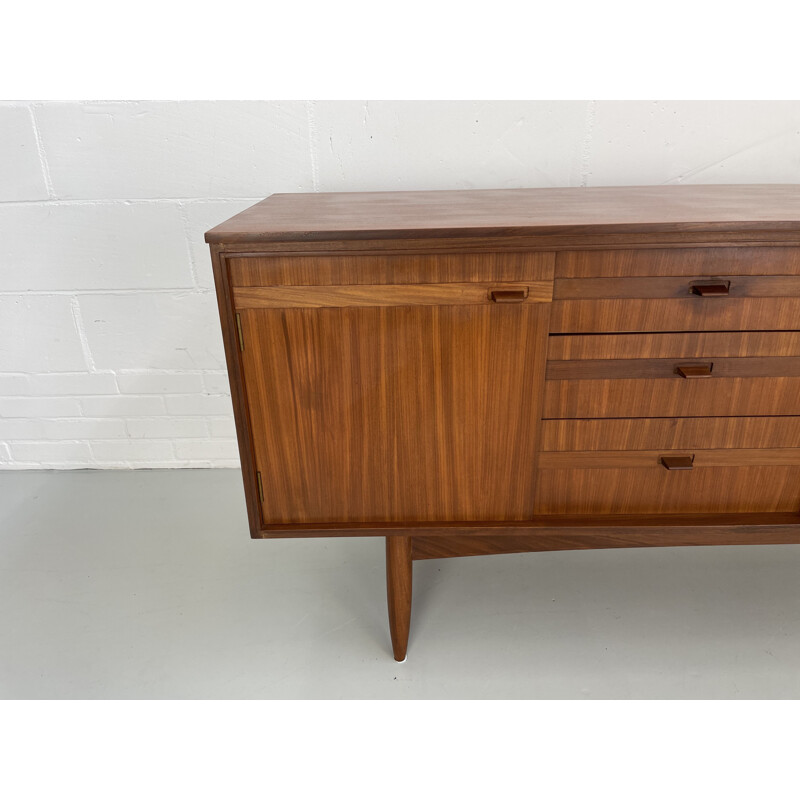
110	351
57	246
20	166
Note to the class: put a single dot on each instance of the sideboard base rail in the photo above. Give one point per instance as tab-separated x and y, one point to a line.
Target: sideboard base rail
606	536
405	546
654	526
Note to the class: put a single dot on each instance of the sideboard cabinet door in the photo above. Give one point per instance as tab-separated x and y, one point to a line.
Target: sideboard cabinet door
395	413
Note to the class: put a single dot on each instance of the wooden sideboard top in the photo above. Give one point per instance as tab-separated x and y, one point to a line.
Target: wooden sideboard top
503	213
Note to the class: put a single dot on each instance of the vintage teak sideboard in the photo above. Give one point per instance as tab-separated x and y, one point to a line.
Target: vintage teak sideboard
477	372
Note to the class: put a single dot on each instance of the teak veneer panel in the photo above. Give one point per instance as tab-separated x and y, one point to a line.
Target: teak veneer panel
657	397
414	413
730	344
383	295
659	491
674	287
667	368
695	261
670	433
504	213
710	526
560	532
341	270
651	459
689	314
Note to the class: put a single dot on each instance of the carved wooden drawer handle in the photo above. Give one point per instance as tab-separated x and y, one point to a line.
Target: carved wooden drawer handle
695	370
677	462
711	288
508	295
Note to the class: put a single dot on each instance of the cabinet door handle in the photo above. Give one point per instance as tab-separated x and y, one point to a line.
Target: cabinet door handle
677	462
711	288
508	295
695	370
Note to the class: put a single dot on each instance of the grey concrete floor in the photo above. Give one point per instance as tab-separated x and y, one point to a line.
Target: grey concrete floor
146	585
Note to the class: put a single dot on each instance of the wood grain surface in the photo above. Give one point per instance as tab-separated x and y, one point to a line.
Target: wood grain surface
399	581
731	344
417	413
665	433
708	490
341	270
241	412
675	287
551	524
717	397
673	368
510	212
695	262
611	531
404	294
651	459
688	314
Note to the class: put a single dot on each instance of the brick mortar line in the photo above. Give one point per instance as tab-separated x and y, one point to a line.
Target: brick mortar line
313	138
586	147
77	318
188	242
48	181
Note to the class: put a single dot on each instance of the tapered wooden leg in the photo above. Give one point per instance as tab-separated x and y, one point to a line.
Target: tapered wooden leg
398	591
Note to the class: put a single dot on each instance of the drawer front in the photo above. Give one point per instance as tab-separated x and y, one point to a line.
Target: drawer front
655	490
694	375
663	458
695	261
700	289
674	345
403	294
663	433
672	397
671	368
283	270
719	288
675	314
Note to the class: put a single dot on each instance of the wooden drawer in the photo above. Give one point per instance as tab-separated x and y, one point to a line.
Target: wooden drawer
694	261
403	294
597	305
694	375
674	345
333	270
636	482
662	290
672	397
664	433
675	368
373	281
